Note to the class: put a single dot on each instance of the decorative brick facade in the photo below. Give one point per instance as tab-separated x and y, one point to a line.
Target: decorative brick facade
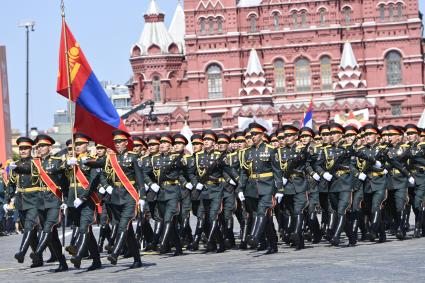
203	79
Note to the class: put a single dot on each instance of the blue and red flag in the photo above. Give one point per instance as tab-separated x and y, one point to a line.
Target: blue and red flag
308	117
95	115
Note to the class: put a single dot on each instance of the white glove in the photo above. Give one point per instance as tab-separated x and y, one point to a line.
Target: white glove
64	206
385	171
155	187
316	177
189	186
279	197
241	196
362	176
72	161
5	207
109	190
378	164
12	165
84	159
141	203
77	202
102	190
328	177
412	181
284	180
199	186
231	182
146	187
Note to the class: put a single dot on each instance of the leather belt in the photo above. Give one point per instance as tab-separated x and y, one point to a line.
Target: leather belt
261	175
119	184
175	182
377	174
342	172
214	182
32	189
395	172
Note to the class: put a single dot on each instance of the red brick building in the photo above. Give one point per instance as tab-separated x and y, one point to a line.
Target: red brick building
224	59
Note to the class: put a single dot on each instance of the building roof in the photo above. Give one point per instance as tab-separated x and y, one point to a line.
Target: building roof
178	27
348	59
153	8
254	64
249	3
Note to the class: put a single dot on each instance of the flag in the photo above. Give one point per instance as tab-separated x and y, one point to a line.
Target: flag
308	117
187	133
95	115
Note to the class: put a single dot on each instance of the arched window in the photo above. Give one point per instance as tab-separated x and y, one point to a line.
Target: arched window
202	25
347	15
302	75
211	26
215	83
303	18
156	88
253	23
219	25
322	16
382	12
276	21
326	72
279	76
399	10
295	19
393	62
391	12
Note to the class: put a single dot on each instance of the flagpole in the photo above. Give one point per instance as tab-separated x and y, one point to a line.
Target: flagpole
68	78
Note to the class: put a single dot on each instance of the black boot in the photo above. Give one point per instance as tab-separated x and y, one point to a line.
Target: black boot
165	237
271	236
353	234
401	218
93	248
314	228
229	239
153	246
37	256
121	238
133	246
339	227
81	250
288	230
257	231
52	255
418	224
423	222
147	232
102	237
72	248
364	227
374	227
110	246
25	243
331	226
244	234
176	240
57	250
194	246
297	236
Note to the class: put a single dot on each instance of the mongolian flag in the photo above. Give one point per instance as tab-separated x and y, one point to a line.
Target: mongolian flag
95	115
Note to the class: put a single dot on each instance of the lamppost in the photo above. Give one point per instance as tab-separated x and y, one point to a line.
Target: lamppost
29	26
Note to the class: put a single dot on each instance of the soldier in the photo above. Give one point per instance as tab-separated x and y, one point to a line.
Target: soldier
260	179
26	197
210	167
123	171
167	170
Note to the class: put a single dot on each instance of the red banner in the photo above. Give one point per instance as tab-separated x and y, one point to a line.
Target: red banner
47	180
85	184
123	178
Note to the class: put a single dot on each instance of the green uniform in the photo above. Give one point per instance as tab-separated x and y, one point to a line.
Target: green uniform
417	167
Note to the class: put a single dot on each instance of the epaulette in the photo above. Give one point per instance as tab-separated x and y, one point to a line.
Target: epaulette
200	152
187	155
360	147
56	157
421	143
270	146
232	153
405	145
326	146
157	154
217	152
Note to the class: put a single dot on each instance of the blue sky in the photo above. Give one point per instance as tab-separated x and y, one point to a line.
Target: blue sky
105	30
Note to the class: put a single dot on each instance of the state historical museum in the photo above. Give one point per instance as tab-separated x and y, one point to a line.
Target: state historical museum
221	60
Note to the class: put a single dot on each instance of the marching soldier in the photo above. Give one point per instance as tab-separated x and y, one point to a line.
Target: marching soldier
260	179
123	171
167	170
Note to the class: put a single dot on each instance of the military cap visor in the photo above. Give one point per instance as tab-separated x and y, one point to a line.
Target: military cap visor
119	135
44	140
24	142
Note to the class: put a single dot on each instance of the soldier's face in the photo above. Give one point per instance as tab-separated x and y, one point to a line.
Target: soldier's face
223	146
256	137
197	147
208	144
137	149
290	139
120	145
335	137
241	145
81	148
24	151
43	150
412	137
100	152
350	139
275	144
178	147
394	139
326	138
153	148
305	139
164	147
370	138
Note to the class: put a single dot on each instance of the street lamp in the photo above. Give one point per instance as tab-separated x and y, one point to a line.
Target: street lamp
29	26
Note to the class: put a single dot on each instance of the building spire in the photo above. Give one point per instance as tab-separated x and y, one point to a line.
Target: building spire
177	28
349	74
254	82
153	8
348	59
254	64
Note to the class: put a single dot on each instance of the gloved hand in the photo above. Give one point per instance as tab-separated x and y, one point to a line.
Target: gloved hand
77	202
199	186
385	171
411	180
5	207
155	187
84	159
362	176
146	187
141	203
279	197
241	196
102	190
64	206
189	186
231	182
72	161
109	190
316	177
284	181
327	176
12	165
378	164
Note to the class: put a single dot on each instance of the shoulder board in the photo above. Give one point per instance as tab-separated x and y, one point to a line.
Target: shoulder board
155	155
175	154
132	152
360	147
382	146
232	153
404	145
327	146
269	146
421	143
187	155
56	157
217	152
200	152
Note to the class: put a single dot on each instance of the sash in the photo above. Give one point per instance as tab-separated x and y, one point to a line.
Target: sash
123	178
81	178
47	180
